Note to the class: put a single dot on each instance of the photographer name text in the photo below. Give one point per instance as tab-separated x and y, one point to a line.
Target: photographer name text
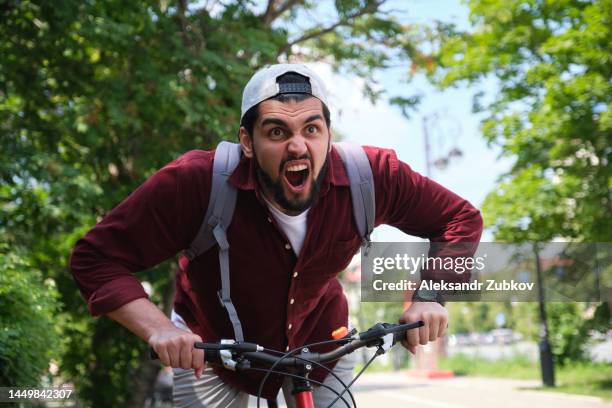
443	286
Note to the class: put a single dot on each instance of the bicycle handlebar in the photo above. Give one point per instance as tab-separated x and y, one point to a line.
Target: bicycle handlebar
381	334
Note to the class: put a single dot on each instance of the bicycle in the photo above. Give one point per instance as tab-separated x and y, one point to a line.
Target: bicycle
300	361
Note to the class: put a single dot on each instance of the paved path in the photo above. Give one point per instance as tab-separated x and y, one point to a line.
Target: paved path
397	390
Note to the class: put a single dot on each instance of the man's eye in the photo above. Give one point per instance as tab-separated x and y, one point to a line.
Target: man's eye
277	132
312	129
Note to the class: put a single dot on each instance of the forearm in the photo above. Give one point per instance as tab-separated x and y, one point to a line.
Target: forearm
141	317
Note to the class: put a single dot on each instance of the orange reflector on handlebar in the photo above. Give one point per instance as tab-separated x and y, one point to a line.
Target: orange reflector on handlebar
339	333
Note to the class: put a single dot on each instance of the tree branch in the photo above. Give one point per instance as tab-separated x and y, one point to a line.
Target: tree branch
181	8
266	17
346	21
273	12
289	4
186	27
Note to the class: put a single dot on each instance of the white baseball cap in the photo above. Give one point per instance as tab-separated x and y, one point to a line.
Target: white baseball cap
263	85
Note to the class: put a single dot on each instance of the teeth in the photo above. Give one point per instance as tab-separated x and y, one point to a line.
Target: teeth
298	167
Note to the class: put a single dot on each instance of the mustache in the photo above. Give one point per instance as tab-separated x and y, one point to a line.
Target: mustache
284	161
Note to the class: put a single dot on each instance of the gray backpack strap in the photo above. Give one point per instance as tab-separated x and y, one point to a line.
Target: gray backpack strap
362	188
222	200
221	205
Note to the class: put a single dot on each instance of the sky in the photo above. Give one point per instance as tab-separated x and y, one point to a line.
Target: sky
471	176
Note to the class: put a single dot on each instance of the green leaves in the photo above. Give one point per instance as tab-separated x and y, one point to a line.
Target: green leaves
406	104
29	335
552	61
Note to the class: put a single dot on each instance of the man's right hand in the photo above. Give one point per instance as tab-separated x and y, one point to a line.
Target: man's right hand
173	345
175	349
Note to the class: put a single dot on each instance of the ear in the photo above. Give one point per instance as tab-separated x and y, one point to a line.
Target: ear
245	142
331	141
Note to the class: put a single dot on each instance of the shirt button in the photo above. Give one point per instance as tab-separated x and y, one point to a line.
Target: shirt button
295	274
287	246
291	301
269	220
287	348
290	326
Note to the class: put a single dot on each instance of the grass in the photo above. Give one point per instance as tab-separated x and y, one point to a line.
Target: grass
580	378
587	379
518	367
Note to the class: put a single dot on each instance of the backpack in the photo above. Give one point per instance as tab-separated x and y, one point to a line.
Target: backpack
222	203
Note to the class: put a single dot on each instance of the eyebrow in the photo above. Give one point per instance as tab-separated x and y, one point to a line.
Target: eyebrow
313	118
275	121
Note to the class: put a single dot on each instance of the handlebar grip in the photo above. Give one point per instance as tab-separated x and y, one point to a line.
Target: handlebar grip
401	335
210	356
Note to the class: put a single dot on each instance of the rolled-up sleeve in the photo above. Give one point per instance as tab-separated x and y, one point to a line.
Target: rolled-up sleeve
147	228
421	207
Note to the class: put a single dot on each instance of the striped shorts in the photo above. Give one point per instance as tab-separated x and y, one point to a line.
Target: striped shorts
211	392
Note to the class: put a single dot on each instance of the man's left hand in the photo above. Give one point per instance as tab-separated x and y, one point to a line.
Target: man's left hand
435	317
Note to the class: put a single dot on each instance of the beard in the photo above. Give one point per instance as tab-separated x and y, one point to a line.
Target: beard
277	190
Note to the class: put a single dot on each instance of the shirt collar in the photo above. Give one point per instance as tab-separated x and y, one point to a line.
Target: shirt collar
244	176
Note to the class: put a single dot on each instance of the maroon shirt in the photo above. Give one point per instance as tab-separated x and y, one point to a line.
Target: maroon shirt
163	215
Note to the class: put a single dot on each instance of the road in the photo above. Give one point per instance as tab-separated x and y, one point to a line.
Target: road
390	391
397	390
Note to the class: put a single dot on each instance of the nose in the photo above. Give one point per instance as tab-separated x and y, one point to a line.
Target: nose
297	146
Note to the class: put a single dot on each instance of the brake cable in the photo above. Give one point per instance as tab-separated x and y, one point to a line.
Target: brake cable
284	356
347	387
324	367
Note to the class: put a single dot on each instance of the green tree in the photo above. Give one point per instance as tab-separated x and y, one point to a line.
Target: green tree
28	330
470	317
552	64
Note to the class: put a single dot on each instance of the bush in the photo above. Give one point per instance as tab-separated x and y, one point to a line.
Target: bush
28	333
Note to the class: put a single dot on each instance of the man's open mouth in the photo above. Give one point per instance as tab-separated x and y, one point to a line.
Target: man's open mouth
296	175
